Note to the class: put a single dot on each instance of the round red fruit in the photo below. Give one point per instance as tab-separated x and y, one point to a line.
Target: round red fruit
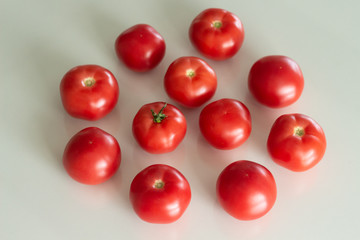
246	190
89	92
225	123
190	81
159	127
160	194
92	156
296	142
141	48
276	81
216	33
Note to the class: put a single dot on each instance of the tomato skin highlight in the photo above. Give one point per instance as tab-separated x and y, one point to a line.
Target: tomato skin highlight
216	33
141	48
225	123
276	81
92	156
160	194
89	92
246	190
296	142
162	137
190	81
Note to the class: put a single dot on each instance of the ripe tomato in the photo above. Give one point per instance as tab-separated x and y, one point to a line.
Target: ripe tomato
296	142
140	47
246	190
225	123
276	81
159	127
190	81
160	194
89	92
92	156
217	33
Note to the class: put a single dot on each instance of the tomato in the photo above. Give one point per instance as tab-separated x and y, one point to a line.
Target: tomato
246	190
216	33
296	142
225	123
276	81
190	81
141	48
159	127
160	194
92	156
89	92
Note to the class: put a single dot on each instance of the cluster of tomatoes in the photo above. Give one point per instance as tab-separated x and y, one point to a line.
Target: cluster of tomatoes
160	193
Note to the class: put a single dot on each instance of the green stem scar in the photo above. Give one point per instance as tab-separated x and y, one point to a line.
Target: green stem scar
217	24
299	131
190	73
89	82
159	184
158	117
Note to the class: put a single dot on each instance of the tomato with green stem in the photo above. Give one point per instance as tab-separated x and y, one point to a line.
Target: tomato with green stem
159	127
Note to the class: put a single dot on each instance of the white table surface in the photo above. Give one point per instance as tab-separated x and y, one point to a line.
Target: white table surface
41	40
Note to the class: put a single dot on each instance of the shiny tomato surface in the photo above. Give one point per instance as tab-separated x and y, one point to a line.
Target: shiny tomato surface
92	156
225	123
276	81
246	190
159	127
160	194
296	142
141	48
89	92
190	81
216	33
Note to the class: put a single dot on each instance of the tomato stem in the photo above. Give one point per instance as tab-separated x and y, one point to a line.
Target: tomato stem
159	184
299	131
190	73
158	117
217	24
89	82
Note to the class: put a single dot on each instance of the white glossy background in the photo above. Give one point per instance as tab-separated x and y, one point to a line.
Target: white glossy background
41	40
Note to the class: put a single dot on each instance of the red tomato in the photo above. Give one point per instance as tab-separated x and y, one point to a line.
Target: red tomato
160	194
296	142
140	47
225	123
276	81
190	81
217	33
159	127
89	92
246	190
92	156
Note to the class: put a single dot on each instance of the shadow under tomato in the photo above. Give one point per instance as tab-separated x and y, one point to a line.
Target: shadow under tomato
208	162
242	229
262	118
53	124
48	69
